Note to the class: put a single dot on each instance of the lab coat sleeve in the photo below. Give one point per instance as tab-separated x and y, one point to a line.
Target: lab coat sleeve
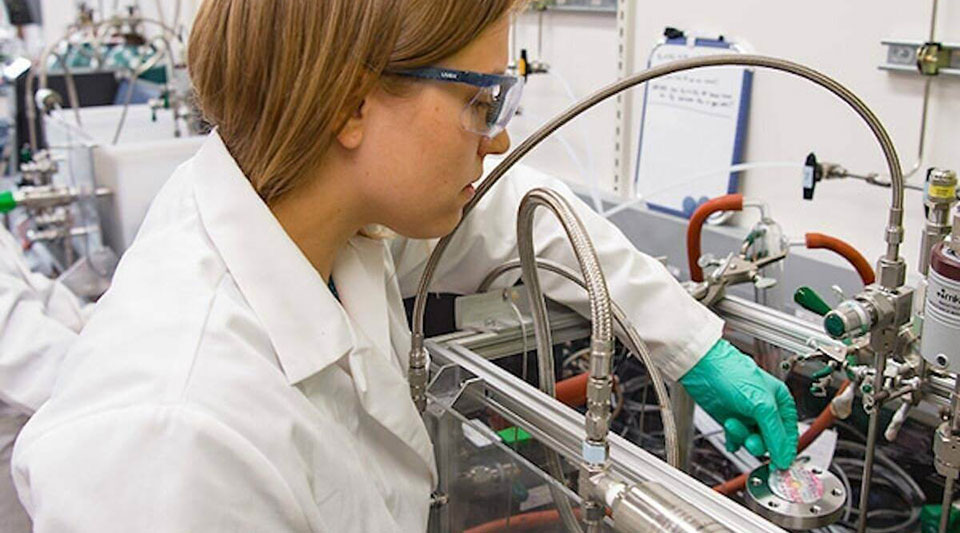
59	302
677	329
158	468
39	320
32	345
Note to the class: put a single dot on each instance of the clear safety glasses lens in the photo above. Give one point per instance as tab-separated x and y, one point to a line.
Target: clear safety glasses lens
489	112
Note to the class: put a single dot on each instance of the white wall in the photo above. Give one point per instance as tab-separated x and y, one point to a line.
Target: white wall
789	117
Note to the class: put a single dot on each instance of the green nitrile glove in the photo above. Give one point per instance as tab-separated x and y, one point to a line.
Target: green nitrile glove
732	389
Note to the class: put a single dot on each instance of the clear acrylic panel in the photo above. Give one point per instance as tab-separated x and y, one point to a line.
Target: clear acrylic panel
490	479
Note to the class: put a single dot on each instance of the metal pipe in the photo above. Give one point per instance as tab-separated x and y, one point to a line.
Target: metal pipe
871	447
793	334
628	335
894	233
595	448
946	504
933	21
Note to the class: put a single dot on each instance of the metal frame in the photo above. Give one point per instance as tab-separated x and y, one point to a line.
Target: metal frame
561	428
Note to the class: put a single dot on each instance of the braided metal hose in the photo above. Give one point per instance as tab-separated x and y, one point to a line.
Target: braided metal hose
892	268
627	334
599	384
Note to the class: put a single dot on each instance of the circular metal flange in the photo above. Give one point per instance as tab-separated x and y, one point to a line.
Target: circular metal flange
803	497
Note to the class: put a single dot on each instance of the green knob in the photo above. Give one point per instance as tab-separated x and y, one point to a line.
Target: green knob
811	301
823	372
866	388
834	325
7	201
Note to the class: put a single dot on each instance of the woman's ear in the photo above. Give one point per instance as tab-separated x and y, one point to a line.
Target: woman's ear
351	135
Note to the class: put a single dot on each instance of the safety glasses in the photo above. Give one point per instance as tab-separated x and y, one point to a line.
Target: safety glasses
494	105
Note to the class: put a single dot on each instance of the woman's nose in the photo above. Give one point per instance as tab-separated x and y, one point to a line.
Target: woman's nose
496	145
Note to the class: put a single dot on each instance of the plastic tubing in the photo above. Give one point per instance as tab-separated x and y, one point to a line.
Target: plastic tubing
822	422
729	202
819	240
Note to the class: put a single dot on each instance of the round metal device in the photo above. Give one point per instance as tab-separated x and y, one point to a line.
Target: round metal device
803	497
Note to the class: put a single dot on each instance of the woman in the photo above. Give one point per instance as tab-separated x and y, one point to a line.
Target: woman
246	371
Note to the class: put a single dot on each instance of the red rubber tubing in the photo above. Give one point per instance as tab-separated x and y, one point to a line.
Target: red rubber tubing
819	240
573	391
824	420
729	202
521	522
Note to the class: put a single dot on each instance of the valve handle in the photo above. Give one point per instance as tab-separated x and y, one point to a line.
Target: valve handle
762	282
7	201
808	299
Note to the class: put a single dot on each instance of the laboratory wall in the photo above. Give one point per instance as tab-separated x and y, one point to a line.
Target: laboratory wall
788	117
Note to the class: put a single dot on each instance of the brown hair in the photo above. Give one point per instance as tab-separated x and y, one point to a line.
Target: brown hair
278	78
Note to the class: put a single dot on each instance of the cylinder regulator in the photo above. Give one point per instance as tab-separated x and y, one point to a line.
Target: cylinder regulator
940	342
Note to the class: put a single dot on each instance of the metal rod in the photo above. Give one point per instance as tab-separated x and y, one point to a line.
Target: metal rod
933	21
946	504
926	99
872	431
893	235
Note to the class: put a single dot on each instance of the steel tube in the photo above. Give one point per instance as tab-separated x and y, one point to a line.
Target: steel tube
893	235
946	504
871	447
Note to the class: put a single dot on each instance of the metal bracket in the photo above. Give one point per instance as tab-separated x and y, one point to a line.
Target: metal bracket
925	58
456	388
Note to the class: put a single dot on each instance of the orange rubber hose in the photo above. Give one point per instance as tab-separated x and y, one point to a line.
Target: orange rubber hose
520	522
819	240
730	202
573	391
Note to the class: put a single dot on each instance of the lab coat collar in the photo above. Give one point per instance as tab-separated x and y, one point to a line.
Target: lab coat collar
360	275
362	278
306	326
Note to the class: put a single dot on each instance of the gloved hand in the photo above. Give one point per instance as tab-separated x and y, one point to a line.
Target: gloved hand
732	389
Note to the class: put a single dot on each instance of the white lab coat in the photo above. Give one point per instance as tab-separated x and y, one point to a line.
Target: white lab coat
221	387
39	320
